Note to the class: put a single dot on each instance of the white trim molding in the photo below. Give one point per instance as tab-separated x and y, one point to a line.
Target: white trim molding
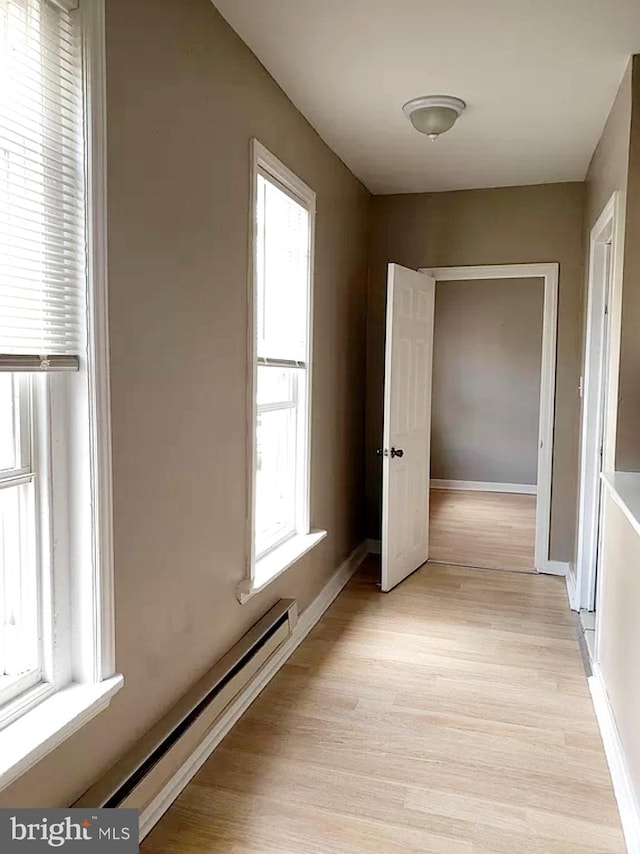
628	806
100	664
277	561
572	594
309	617
556	567
263	162
550	275
30	738
481	486
601	357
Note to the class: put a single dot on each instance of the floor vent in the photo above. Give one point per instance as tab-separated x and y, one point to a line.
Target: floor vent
136	779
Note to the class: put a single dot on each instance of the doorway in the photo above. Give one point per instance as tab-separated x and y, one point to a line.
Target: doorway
487	362
402	385
596	453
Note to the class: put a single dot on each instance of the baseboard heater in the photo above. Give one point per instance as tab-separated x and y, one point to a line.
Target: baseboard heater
137	778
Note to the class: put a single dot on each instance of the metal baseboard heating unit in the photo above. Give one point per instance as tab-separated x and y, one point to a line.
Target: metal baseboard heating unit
138	777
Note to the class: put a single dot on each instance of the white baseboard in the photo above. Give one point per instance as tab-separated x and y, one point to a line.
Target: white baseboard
373	547
479	486
309	617
556	567
622	784
572	589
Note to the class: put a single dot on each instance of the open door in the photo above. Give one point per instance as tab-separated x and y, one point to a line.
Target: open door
407	423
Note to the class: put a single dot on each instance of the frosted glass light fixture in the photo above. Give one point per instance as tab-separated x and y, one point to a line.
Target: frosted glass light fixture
433	114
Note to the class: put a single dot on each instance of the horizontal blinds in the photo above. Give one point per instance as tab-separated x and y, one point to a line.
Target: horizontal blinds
42	211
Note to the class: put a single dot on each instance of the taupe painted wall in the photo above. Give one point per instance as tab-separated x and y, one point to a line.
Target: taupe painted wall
185	96
628	439
609	167
487	352
497	226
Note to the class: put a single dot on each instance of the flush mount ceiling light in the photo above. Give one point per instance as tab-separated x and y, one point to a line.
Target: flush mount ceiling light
433	114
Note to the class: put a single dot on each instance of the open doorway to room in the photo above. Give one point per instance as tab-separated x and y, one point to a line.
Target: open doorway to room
485	413
490	441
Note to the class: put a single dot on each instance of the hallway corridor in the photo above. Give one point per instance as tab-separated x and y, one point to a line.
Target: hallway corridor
451	715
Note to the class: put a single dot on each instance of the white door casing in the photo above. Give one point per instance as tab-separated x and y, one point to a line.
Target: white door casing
407	423
550	275
602	347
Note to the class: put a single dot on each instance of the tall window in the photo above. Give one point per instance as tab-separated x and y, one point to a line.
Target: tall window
283	231
49	379
20	654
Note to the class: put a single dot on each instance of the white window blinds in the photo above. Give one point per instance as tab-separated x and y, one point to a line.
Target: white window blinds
42	211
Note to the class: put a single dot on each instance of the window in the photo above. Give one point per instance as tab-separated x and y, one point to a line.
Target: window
20	657
281	292
55	600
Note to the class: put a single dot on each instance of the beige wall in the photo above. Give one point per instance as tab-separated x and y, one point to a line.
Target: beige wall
609	165
619	649
628	439
184	98
498	226
487	352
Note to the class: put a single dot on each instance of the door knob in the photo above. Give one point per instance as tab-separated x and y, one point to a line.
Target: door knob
397	453
382	453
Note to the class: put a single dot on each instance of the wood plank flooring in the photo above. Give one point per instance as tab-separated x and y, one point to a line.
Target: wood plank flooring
451	715
488	529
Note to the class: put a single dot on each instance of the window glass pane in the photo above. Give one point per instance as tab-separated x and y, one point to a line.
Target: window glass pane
275	385
275	477
282	258
7	429
14	426
18	590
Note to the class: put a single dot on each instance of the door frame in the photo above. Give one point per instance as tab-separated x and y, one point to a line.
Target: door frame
599	391
549	273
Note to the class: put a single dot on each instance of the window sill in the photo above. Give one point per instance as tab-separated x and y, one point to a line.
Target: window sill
273	564
40	730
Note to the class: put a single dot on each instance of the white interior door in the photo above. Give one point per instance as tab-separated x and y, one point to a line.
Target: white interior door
406	448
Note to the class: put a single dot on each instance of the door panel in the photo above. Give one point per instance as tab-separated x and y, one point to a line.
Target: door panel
407	423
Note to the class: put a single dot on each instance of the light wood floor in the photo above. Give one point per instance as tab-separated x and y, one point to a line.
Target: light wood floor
488	529
451	715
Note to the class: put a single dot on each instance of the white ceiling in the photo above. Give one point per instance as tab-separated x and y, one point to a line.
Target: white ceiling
539	77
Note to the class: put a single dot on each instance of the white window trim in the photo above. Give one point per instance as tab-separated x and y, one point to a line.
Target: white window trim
276	561
58	715
93	30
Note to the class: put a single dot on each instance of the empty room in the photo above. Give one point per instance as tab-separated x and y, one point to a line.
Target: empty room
319	405
487	366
